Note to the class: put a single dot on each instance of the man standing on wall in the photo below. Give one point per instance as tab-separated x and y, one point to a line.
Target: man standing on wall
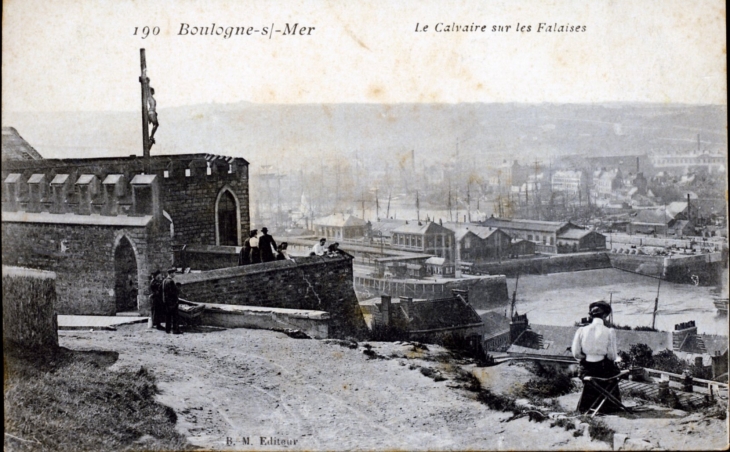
267	246
170	297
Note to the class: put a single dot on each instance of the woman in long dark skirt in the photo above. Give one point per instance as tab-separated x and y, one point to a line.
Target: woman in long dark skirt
595	346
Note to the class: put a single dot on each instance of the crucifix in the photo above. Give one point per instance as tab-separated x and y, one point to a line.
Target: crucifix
149	108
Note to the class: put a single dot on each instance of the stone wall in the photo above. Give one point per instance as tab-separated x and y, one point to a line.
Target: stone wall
205	257
82	256
544	266
187	188
485	292
316	283
29	312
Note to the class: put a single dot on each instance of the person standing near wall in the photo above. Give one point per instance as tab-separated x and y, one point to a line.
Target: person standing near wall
156	305
267	246
244	257
171	300
255	255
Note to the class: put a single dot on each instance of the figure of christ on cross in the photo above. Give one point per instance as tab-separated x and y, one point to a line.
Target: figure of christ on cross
152	113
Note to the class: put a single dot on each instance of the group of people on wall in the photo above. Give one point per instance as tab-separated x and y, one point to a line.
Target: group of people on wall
260	248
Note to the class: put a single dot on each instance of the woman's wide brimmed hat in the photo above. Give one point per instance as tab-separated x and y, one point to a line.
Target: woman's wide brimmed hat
601	306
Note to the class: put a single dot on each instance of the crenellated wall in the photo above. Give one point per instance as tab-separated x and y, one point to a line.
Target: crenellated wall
186	187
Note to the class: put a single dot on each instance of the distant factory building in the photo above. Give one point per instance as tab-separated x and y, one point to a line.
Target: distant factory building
520	248
606	183
567	181
577	240
383	229
543	233
675	218
477	243
424	237
440	266
340	227
713	162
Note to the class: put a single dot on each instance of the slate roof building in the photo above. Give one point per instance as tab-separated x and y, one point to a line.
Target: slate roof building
577	240
383	229
340	227
428	318
14	147
567	181
424	237
496	331
545	234
478	243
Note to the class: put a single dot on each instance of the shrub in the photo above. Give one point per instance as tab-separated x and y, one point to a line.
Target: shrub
498	402
667	361
599	431
549	383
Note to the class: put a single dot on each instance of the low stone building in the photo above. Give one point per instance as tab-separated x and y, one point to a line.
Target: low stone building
477	243
340	227
577	240
429	319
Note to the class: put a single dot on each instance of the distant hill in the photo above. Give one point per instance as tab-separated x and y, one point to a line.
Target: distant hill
307	135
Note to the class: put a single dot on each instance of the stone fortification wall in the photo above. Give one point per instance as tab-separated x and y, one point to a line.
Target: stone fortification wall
204	257
543	266
316	283
83	258
29	312
485	292
186	187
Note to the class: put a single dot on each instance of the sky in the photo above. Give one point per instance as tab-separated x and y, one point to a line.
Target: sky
82	55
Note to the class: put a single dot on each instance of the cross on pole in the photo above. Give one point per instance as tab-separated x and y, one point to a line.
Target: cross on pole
149	111
145	81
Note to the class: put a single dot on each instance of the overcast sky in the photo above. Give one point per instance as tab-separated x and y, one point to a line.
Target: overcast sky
81	55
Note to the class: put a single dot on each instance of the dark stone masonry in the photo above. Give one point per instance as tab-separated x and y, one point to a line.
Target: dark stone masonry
317	283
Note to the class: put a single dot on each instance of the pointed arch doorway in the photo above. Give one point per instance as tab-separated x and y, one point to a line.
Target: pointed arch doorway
125	277
227	218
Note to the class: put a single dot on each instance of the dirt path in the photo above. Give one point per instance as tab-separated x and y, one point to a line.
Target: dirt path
232	385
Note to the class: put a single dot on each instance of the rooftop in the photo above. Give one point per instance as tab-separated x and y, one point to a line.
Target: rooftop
339	220
14	147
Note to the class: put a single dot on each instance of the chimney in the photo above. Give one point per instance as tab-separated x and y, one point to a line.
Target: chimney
689	212
681	333
637	165
385	309
405	304
517	326
461	293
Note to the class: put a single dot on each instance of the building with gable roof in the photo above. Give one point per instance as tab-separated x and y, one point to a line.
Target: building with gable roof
14	147
478	243
425	238
340	226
